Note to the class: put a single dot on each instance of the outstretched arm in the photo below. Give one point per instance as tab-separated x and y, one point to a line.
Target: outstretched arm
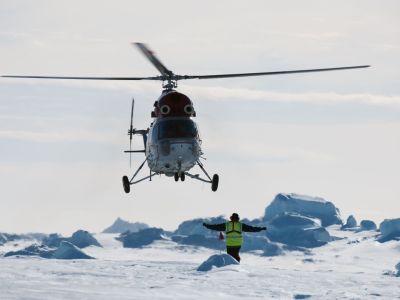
216	227
248	228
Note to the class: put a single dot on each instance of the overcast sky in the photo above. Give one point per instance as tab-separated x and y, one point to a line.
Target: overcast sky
335	135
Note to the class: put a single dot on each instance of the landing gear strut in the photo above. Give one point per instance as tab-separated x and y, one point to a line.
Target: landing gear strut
127	183
214	181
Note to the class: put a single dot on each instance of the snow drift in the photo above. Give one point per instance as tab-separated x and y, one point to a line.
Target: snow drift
218	261
313	207
120	226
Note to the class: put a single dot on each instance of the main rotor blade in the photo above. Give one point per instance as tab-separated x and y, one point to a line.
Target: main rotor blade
268	73
85	78
153	59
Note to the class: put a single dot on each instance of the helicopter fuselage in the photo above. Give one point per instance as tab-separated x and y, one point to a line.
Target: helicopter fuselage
173	143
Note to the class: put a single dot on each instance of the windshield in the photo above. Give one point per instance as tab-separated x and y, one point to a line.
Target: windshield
177	129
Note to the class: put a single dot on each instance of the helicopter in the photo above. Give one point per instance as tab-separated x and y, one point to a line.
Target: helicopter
172	144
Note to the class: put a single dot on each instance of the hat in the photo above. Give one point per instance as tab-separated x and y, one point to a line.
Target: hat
235	217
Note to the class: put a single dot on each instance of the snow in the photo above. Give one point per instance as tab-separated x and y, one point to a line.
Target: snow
299	257
390	230
341	269
313	207
120	226
217	261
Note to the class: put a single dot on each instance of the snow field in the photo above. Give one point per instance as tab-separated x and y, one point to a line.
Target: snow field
350	268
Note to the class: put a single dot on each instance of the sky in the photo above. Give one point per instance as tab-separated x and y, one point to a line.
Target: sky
334	135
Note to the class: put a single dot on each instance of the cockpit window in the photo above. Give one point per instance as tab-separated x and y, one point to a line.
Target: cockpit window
176	129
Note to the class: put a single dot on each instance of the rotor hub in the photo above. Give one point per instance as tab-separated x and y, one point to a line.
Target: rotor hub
170	84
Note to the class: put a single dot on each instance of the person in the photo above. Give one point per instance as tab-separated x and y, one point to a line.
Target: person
233	232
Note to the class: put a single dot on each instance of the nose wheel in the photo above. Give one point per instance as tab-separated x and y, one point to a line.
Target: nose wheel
179	176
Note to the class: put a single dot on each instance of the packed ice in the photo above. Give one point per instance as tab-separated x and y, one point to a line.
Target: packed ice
351	223
67	250
390	230
367	225
305	252
120	226
314	207
141	238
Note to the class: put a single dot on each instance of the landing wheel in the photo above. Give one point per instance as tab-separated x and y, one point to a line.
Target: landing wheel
126	184
176	176
214	182
182	176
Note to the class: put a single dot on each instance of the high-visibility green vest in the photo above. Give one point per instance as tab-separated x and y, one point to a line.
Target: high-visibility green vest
233	232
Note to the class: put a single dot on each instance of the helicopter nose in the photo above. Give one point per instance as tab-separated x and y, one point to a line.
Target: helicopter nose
180	150
165	148
177	156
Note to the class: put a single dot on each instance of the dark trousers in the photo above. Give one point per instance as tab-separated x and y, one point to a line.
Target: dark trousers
233	251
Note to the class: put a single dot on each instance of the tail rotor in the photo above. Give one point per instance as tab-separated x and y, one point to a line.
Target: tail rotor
131	132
